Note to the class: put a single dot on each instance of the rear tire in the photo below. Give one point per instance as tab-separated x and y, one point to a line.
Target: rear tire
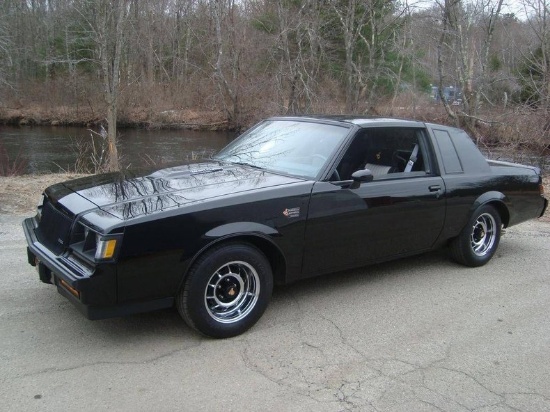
478	241
226	291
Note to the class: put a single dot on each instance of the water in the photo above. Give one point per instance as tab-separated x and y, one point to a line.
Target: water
55	149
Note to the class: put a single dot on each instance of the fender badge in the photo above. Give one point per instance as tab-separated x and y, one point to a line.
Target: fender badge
292	212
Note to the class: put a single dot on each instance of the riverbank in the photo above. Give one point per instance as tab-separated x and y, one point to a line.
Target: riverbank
19	195
130	118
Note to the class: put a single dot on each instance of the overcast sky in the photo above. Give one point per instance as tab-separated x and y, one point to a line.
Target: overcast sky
509	6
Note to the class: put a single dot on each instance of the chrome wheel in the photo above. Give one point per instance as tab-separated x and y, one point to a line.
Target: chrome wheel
478	240
226	290
484	234
232	292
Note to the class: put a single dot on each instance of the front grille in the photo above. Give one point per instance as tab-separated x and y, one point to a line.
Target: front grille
54	228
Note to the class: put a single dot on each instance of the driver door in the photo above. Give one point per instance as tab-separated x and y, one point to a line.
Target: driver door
400	212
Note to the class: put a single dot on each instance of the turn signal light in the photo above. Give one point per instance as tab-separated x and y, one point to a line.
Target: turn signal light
73	291
105	249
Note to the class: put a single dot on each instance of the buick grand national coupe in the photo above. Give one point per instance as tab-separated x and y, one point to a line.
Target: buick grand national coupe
291	198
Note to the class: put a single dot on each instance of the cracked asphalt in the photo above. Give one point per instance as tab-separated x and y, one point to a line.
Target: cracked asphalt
420	334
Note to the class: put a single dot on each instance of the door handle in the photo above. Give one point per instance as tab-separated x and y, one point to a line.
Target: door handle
434	188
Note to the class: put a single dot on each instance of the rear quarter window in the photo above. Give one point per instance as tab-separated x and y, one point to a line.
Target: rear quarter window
447	150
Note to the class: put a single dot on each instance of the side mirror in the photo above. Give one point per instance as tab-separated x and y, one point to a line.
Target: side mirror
362	176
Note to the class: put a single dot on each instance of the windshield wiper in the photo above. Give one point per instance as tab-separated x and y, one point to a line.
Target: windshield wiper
247	164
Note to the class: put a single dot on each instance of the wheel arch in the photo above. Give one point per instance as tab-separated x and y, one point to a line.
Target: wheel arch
259	240
496	200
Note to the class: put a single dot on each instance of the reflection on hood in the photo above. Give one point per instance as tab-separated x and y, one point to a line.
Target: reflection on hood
127	195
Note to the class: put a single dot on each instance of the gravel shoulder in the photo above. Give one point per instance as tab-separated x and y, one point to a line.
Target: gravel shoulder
19	195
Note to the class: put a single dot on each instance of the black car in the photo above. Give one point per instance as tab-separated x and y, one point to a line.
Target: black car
291	198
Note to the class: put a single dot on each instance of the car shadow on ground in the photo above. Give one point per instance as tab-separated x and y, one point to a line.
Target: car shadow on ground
287	299
367	274
167	323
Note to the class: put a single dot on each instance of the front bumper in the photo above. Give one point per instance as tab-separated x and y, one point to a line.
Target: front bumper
91	289
85	286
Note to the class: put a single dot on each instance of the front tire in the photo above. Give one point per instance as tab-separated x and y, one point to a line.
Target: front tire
478	241
226	291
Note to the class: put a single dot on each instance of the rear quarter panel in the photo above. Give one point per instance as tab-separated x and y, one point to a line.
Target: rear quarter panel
465	193
473	182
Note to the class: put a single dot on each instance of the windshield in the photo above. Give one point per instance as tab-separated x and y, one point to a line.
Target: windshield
288	146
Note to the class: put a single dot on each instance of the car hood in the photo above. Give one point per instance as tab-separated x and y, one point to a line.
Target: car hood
129	195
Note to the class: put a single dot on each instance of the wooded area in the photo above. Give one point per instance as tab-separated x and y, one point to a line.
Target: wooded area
228	63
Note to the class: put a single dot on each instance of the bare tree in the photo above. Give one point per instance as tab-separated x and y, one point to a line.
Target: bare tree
536	58
466	37
300	49
5	53
107	21
225	10
368	30
182	39
404	45
352	16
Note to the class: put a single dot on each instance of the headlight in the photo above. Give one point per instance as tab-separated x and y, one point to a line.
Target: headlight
92	246
39	208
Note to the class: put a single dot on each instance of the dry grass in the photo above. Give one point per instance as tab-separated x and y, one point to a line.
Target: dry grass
19	195
130	117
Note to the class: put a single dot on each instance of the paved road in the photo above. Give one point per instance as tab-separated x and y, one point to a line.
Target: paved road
420	334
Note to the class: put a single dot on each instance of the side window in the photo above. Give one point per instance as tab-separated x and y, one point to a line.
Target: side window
387	152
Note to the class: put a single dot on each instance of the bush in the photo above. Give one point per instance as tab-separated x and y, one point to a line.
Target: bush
11	167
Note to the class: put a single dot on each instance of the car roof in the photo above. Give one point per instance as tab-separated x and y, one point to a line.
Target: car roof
361	121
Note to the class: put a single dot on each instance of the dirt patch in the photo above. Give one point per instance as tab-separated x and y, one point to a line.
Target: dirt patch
130	117
19	195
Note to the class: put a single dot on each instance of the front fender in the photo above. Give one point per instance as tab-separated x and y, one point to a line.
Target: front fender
257	234
241	228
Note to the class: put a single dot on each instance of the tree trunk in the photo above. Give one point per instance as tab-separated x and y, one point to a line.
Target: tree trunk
111	35
230	97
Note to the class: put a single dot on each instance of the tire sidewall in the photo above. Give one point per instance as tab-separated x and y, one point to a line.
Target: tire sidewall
201	273
471	257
